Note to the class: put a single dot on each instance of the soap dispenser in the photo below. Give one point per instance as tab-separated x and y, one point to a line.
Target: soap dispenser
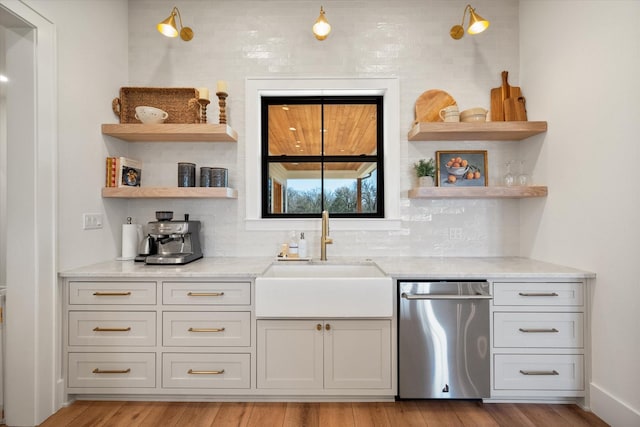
302	246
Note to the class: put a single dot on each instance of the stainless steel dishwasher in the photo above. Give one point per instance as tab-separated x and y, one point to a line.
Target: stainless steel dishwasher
443	334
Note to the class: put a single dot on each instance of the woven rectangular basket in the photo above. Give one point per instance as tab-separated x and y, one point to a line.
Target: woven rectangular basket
180	103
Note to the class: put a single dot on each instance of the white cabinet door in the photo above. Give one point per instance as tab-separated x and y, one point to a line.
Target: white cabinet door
289	354
357	354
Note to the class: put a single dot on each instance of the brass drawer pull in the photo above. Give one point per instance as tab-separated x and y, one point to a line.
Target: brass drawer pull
533	330
111	294
99	329
327	327
205	294
100	371
319	327
191	371
554	372
538	294
206	329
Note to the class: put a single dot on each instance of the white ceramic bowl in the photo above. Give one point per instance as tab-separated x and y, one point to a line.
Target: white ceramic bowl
148	114
457	171
474	115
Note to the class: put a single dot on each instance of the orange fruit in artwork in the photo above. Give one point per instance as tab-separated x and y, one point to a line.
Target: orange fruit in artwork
476	175
470	175
458	159
452	179
464	163
449	163
456	165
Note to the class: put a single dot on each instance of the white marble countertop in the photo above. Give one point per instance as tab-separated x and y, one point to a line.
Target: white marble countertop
397	267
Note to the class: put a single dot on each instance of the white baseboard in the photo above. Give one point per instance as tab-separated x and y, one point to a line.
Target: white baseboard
610	409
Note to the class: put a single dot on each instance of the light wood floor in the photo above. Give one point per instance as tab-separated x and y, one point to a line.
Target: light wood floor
419	413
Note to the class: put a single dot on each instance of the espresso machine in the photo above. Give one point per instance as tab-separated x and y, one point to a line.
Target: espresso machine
172	241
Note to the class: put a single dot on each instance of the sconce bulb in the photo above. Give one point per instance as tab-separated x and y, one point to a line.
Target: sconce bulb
477	23
168	26
321	28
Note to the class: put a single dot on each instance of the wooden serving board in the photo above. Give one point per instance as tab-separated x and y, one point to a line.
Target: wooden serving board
498	97
514	110
429	104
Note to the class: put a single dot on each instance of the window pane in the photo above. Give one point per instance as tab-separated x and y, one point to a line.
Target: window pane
294	130
295	188
350	129
351	190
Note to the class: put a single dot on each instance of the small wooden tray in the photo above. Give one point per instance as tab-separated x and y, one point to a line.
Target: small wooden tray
180	103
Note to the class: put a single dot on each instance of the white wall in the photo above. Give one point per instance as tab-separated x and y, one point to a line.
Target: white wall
580	71
92	41
407	39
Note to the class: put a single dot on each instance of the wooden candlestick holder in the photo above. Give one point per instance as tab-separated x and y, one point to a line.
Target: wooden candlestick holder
203	109
222	103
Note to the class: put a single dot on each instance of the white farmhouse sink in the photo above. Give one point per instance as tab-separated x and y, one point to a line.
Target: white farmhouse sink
323	289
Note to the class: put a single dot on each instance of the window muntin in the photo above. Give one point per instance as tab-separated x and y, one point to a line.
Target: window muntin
322	153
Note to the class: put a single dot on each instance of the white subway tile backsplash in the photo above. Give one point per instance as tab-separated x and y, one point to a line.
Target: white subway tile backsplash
408	39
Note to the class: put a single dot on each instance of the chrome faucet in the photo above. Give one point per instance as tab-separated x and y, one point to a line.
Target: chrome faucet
325	239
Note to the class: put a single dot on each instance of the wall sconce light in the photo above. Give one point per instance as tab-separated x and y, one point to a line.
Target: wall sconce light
169	29
477	24
321	28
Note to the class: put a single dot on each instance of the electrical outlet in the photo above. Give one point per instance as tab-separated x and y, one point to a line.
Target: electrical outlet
455	233
91	221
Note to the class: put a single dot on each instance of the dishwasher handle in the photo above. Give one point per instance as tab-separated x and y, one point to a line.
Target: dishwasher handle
443	297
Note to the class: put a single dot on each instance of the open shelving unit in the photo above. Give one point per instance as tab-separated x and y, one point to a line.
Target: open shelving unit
169	192
170	132
476	131
477	192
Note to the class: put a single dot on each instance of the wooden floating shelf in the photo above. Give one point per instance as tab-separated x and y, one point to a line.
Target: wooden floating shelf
171	132
477	192
170	192
490	131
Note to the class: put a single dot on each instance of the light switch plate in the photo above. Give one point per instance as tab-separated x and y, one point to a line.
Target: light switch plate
91	221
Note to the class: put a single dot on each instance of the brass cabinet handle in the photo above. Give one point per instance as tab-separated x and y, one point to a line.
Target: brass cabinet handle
100	371
206	329
319	327
99	329
205	294
191	371
538	294
533	330
327	327
554	372
111	294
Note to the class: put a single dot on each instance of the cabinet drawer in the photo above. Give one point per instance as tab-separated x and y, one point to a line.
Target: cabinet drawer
545	330
206	293
226	328
205	370
112	370
538	372
112	328
538	294
112	293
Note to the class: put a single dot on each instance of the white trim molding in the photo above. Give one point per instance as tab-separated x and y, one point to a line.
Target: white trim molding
387	87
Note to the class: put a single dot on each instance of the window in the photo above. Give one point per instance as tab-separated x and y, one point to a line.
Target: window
322	153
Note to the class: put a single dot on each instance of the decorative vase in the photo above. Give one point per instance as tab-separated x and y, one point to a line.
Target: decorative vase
425	181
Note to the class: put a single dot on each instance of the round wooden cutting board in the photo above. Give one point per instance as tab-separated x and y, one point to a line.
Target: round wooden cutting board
429	104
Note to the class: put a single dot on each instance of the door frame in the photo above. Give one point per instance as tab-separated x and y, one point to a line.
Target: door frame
31	324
